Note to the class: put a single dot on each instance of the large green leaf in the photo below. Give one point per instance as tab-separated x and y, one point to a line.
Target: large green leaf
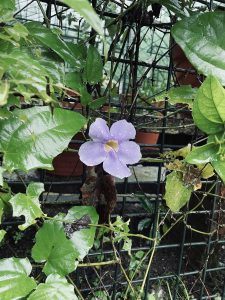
53	248
84	8
94	66
201	39
15	282
83	239
33	137
177	193
209	106
54	288
203	154
48	38
28	204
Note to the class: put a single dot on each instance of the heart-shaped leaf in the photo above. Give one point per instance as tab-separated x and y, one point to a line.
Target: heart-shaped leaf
83	239
53	248
200	38
28	204
31	138
15	282
55	287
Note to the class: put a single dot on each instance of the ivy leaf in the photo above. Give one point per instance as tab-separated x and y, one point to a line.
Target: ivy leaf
84	8
200	38
55	287
53	248
83	239
32	137
177	193
28	205
94	66
2	234
15	282
203	154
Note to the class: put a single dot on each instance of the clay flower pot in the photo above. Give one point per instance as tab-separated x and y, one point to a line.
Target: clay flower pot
68	163
149	138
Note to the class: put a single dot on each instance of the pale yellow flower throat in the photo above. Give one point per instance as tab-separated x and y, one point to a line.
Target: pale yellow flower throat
111	145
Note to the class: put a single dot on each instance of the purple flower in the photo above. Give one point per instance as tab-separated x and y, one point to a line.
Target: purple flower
111	147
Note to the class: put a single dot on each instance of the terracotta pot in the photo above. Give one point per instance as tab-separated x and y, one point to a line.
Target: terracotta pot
68	163
181	61
150	138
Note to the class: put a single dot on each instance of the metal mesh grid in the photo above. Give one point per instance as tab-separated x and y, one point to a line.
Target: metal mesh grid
184	258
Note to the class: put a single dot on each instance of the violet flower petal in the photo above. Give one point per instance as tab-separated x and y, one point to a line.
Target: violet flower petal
92	153
122	131
99	131
129	152
115	167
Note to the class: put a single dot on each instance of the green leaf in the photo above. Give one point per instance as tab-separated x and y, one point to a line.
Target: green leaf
219	167
38	136
84	8
15	282
201	40
27	81
183	94
7	8
51	40
55	287
4	92
4	199
203	154
209	106
2	234
17	31
83	239
94	66
97	103
53	248
177	193
28	205
85	98
73	80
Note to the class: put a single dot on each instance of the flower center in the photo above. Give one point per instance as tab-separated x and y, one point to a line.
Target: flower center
111	145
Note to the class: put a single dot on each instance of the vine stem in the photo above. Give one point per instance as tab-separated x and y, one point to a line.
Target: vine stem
147	270
99	264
